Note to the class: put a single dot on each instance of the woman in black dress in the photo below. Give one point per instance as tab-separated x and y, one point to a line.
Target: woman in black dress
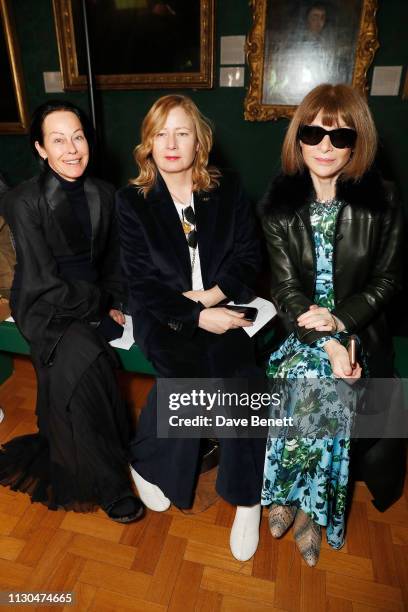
333	230
65	301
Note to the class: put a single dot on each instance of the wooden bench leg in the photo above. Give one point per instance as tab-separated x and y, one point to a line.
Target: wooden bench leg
6	366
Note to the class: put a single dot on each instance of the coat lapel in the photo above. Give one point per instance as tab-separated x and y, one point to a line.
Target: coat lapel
205	206
95	210
163	209
62	211
67	222
206	209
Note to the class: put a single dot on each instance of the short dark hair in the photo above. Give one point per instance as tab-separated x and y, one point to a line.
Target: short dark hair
321	6
51	106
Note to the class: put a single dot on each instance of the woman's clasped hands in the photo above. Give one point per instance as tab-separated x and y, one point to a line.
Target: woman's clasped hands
321	319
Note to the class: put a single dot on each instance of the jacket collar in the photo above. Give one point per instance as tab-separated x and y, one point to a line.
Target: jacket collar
288	194
205	207
58	202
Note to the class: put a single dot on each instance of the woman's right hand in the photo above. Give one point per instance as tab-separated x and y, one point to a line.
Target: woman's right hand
340	362
220	320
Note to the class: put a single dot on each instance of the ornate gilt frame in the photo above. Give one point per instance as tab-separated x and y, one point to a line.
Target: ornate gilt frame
405	87
254	108
72	80
21	126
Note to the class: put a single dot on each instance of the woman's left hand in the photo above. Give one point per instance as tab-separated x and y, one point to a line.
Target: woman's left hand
117	316
320	319
340	362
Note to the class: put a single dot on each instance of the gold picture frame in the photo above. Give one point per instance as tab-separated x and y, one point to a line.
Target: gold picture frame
291	48
405	87
13	106
199	74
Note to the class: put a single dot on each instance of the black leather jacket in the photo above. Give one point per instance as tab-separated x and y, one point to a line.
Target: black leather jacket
367	262
367	259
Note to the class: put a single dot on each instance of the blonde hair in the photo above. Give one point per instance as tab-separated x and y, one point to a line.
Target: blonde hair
335	101
204	177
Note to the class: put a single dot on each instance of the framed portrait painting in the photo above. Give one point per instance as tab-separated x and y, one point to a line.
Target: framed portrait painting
13	107
295	45
137	44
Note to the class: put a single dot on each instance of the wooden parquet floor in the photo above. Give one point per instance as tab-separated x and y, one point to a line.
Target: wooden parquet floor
181	562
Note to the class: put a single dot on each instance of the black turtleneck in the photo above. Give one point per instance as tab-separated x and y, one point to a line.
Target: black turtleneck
78	266
75	193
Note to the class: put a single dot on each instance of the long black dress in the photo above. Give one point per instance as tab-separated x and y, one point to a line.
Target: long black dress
66	280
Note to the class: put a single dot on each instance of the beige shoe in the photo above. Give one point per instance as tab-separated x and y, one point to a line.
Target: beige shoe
280	519
308	537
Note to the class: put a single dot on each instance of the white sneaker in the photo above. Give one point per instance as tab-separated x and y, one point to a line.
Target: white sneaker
244	535
150	494
1	415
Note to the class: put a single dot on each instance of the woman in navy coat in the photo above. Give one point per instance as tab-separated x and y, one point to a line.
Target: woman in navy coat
188	243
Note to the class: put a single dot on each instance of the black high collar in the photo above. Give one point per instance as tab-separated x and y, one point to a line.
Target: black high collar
69	186
289	193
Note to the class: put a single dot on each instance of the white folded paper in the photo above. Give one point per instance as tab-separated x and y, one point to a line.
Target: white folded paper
266	312
126	341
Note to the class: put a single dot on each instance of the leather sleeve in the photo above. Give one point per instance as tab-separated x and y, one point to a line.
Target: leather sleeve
386	274
287	289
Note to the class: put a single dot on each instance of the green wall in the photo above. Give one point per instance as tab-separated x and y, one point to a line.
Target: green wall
251	148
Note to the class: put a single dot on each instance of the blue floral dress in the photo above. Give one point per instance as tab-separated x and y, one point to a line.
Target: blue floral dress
311	470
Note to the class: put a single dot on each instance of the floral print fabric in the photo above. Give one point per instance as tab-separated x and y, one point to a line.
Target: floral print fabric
309	467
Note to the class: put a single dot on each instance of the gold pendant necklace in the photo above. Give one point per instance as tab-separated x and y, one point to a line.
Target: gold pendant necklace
186	226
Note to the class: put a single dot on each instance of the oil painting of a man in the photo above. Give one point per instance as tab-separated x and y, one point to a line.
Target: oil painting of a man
308	43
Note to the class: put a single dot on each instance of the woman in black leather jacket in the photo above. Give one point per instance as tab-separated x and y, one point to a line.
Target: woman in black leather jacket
333	233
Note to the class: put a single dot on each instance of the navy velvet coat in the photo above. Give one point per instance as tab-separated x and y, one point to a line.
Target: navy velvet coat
156	260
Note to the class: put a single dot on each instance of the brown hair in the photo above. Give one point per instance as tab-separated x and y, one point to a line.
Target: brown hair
204	177
335	101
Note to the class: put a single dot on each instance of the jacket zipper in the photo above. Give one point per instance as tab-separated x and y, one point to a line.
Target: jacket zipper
335	252
308	227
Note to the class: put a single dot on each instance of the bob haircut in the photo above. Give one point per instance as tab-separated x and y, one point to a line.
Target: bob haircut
205	177
51	106
336	101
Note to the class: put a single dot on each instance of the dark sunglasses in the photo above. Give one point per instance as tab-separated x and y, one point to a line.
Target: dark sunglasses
341	138
190	220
